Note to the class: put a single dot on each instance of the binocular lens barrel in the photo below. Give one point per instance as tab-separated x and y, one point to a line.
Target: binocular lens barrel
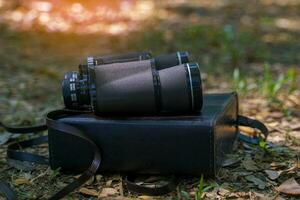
181	88
119	58
142	86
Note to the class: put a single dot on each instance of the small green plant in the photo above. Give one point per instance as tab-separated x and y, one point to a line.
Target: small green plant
200	189
185	195
291	79
263	144
239	83
203	188
54	173
270	86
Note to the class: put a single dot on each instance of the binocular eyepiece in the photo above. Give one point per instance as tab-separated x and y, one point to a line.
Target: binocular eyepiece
161	61
135	83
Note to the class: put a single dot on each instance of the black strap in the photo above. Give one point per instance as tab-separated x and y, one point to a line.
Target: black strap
14	152
24	129
7	191
53	123
151	191
253	123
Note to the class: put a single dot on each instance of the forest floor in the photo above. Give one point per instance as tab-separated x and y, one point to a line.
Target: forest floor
252	48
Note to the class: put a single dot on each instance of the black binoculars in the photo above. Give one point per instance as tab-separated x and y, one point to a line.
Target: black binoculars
135	83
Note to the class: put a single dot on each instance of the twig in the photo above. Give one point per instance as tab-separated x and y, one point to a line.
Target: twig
40	175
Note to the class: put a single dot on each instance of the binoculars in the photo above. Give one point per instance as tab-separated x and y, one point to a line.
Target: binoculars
135	83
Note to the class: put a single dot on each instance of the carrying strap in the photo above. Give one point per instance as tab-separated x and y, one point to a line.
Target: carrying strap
7	191
91	171
255	124
14	152
168	187
24	129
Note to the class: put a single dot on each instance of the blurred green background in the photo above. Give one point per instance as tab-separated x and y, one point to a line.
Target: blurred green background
249	46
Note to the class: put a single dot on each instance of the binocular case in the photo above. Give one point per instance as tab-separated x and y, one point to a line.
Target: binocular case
190	144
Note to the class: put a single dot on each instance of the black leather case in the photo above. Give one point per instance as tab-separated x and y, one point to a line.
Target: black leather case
192	144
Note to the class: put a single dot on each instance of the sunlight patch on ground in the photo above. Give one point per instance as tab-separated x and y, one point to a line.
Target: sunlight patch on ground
1	3
277	38
114	17
292	24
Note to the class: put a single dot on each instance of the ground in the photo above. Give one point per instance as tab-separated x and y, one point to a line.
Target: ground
251	47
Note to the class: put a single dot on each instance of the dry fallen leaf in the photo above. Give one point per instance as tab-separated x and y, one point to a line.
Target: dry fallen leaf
145	197
223	192
272	174
230	161
21	181
109	182
115	198
259	196
108	192
98	177
258	182
295	127
249	165
293	168
4	137
273	124
90	181
121	189
89	192
294	99
279	198
112	180
276	115
290	187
